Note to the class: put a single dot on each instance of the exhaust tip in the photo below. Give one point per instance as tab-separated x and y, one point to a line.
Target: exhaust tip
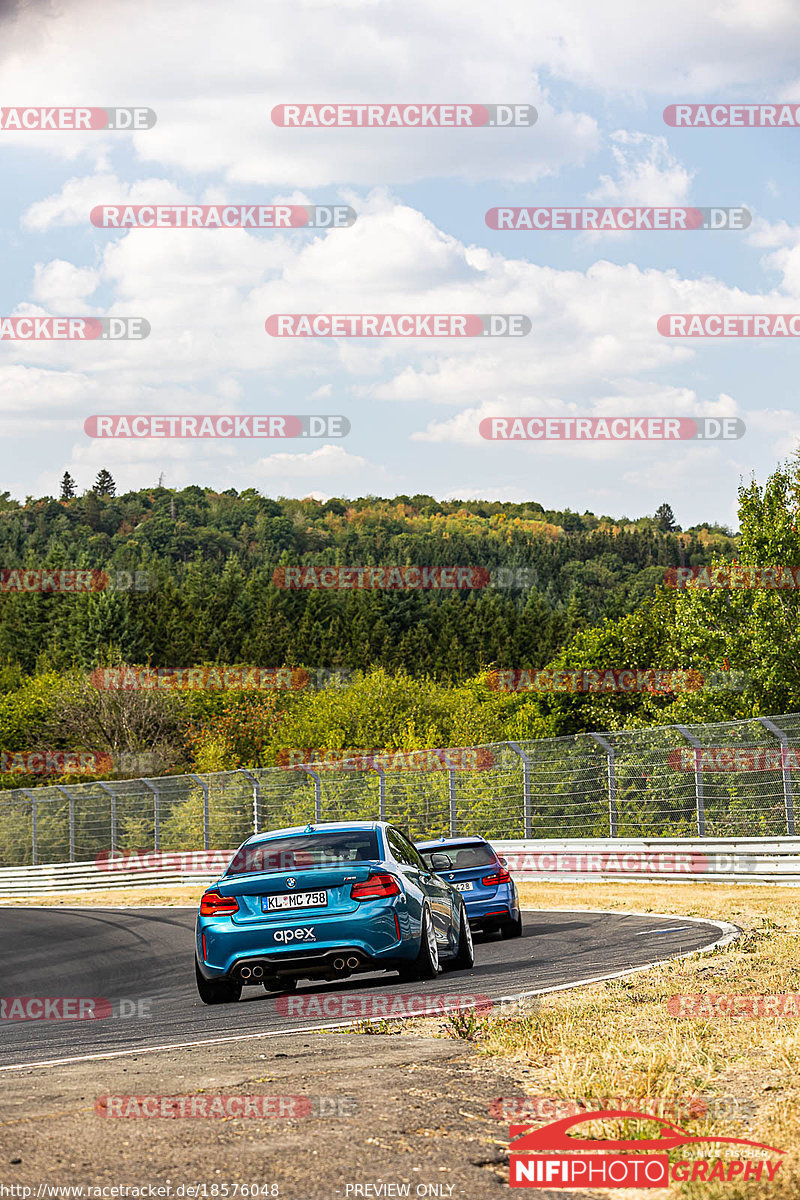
245	972
258	972
339	964
352	963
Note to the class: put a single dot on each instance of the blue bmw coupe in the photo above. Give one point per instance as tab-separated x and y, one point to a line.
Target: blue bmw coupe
325	902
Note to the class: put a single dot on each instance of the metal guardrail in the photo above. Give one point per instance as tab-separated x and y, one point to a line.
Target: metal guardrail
742	860
731	779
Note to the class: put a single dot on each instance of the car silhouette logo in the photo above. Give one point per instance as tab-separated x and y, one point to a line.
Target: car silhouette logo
555	1136
291	881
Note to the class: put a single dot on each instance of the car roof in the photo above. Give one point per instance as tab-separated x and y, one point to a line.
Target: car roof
452	841
313	827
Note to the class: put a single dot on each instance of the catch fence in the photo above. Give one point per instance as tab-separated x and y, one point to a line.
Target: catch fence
726	780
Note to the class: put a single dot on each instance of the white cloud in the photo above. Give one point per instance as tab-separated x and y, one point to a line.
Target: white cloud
630	399
212	118
647	172
63	288
324	462
73	204
207	297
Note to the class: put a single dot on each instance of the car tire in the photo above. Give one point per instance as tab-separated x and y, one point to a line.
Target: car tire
465	955
512	929
280	985
216	991
426	964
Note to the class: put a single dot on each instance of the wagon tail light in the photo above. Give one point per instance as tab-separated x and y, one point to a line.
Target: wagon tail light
215	905
375	887
502	876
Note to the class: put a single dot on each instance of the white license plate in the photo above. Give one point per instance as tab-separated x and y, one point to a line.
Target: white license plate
294	900
463	887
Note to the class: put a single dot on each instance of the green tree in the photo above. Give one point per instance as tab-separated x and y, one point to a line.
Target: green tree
104	484
91	509
665	518
67	486
753	630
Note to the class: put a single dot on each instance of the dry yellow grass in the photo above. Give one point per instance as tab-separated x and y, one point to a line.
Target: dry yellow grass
618	1039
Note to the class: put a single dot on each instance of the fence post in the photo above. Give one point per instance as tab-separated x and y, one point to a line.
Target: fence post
106	788
611	756
698	778
71	799
156	813
526	788
788	798
451	791
256	782
206	819
317	792
34	832
381	792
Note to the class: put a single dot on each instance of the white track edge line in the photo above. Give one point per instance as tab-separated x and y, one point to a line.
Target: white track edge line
729	934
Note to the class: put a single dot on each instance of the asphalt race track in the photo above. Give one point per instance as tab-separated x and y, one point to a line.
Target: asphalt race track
146	954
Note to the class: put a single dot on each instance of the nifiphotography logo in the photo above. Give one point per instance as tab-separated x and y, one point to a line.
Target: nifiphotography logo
548	1157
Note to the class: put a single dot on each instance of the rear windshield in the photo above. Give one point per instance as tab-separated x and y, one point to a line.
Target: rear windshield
306	850
462	857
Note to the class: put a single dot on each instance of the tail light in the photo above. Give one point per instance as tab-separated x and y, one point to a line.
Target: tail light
375	887
502	876
215	905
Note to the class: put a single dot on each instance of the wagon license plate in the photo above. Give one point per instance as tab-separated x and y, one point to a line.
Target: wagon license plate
294	900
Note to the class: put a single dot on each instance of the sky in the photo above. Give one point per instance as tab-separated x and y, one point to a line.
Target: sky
599	78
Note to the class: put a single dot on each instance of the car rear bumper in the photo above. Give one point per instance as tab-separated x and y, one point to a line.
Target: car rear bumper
503	906
308	964
224	948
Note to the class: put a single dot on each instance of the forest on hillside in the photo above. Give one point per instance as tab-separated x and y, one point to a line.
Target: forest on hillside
191	580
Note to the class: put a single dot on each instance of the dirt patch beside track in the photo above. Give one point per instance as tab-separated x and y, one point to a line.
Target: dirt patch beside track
420	1115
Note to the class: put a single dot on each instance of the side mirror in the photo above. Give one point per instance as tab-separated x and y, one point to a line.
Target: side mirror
503	862
441	862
